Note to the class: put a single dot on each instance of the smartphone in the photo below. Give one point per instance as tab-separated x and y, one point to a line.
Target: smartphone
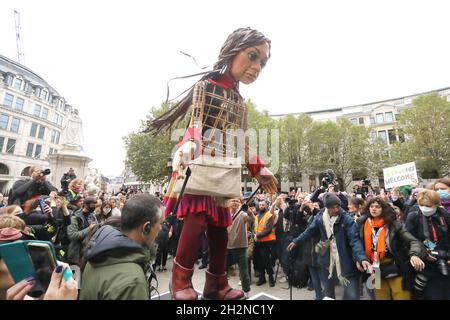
30	258
359	195
41	205
43	262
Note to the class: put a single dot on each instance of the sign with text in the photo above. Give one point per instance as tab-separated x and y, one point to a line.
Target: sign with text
401	175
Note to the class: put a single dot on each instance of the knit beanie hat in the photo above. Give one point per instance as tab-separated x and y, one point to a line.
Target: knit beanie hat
330	200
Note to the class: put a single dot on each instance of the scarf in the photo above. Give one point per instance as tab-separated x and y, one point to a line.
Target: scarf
369	234
334	255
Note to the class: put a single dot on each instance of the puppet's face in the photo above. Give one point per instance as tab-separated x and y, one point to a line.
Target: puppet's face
248	63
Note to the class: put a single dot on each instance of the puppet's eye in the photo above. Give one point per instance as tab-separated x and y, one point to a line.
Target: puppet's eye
252	56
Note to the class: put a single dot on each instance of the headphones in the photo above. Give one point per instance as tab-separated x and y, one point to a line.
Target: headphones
147	228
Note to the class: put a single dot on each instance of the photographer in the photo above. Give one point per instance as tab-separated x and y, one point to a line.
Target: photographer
66	179
329	184
389	246
429	223
33	187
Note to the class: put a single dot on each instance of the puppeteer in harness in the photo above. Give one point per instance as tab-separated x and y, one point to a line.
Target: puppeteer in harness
211	148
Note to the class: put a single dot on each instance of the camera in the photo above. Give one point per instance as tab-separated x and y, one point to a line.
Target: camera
292	201
442	258
46	172
329	178
420	282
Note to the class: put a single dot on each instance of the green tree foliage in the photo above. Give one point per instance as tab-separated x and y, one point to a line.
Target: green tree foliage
339	146
293	151
427	130
148	154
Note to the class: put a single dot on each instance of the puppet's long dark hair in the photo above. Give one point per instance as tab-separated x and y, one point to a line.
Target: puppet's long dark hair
237	41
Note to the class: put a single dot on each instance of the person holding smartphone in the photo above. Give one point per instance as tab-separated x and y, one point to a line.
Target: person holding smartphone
58	289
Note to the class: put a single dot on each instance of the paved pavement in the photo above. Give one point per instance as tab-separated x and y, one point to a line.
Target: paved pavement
281	290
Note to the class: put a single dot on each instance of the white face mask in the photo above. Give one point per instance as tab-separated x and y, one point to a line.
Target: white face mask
427	211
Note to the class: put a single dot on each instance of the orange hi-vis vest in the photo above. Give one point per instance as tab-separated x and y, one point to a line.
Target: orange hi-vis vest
260	226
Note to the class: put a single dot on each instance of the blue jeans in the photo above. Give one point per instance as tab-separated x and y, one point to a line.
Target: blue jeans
351	291
316	276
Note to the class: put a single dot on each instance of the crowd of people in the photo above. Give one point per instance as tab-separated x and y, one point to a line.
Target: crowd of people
71	219
389	244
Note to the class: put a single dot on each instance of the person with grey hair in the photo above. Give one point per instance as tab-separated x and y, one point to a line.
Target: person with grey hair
118	261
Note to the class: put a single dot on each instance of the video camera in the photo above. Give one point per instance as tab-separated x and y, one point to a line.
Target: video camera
365	185
442	258
46	172
291	201
329	178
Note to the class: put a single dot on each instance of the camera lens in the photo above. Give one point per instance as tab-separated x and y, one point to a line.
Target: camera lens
442	267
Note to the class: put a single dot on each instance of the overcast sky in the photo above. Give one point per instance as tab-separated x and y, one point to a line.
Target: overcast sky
111	59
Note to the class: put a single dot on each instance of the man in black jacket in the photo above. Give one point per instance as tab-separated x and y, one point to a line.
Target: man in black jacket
66	178
27	189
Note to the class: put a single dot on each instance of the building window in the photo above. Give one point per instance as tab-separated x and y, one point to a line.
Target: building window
30	148
19	104
380	118
37	110
361	120
354	121
60	120
4	121
41	132
2	142
58	134
392	136
50	151
33	129
8	100
382	135
10	146
44	114
52	139
373	135
37	151
372	120
18	84
389	117
15	123
44	94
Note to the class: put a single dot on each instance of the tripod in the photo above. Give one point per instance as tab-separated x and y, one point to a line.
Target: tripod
292	257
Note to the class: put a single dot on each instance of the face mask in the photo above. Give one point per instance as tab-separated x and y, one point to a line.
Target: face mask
427	211
444	194
77	190
106	211
394	198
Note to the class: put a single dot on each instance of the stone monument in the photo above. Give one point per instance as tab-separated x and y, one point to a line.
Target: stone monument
72	154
